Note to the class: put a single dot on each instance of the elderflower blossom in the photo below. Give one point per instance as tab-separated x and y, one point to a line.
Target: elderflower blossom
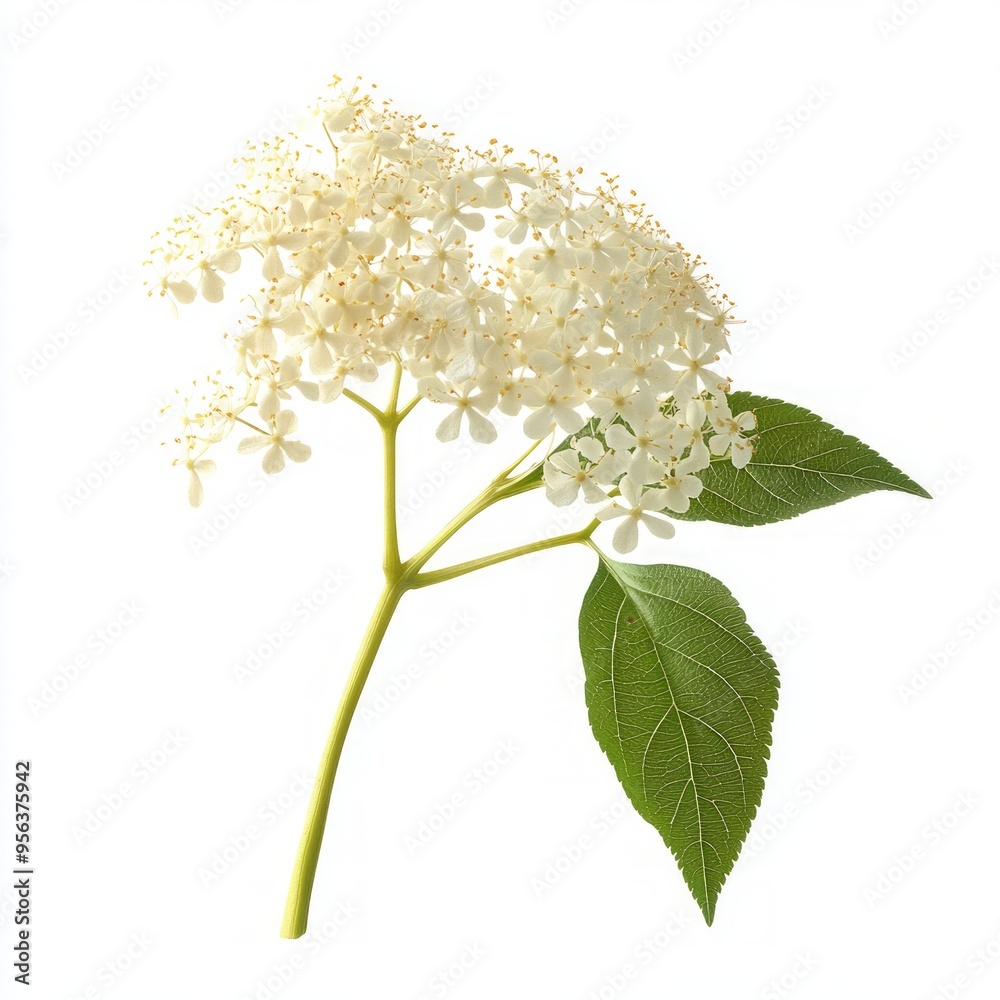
497	285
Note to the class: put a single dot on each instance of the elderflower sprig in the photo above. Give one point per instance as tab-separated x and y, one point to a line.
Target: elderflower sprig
498	285
488	286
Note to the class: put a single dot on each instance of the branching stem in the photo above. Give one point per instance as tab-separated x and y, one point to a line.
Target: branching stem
400	577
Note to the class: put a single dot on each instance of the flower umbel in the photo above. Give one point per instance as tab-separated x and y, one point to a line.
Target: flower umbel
496	285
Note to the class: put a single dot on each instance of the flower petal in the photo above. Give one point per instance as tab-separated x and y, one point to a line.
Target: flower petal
274	460
658	526
296	450
562	496
481	429
539	424
626	536
195	492
251	444
449	427
285	422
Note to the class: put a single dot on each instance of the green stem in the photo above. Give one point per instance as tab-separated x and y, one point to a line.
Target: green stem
399	577
460	569
364	404
397	376
390	557
486	499
293	925
409	406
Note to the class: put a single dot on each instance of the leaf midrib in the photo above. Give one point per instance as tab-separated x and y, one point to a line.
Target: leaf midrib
673	704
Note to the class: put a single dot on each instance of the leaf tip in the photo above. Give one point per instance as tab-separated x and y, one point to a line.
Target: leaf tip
907	485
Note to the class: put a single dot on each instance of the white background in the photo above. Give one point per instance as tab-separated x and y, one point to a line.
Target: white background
866	780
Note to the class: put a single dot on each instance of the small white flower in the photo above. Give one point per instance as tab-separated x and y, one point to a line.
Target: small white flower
278	447
453	210
566	473
465	405
680	490
197	469
553	406
636	509
693	356
171	285
729	432
275	231
211	285
277	380
650	447
360	368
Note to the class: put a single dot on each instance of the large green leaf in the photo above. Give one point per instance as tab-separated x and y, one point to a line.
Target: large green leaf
800	463
681	695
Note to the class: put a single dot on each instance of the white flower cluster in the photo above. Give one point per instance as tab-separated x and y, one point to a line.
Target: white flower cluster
496	285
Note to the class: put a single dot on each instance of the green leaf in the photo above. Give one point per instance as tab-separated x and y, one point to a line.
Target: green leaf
681	695
800	463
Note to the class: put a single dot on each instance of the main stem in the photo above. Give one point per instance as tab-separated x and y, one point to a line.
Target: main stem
296	916
399	577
